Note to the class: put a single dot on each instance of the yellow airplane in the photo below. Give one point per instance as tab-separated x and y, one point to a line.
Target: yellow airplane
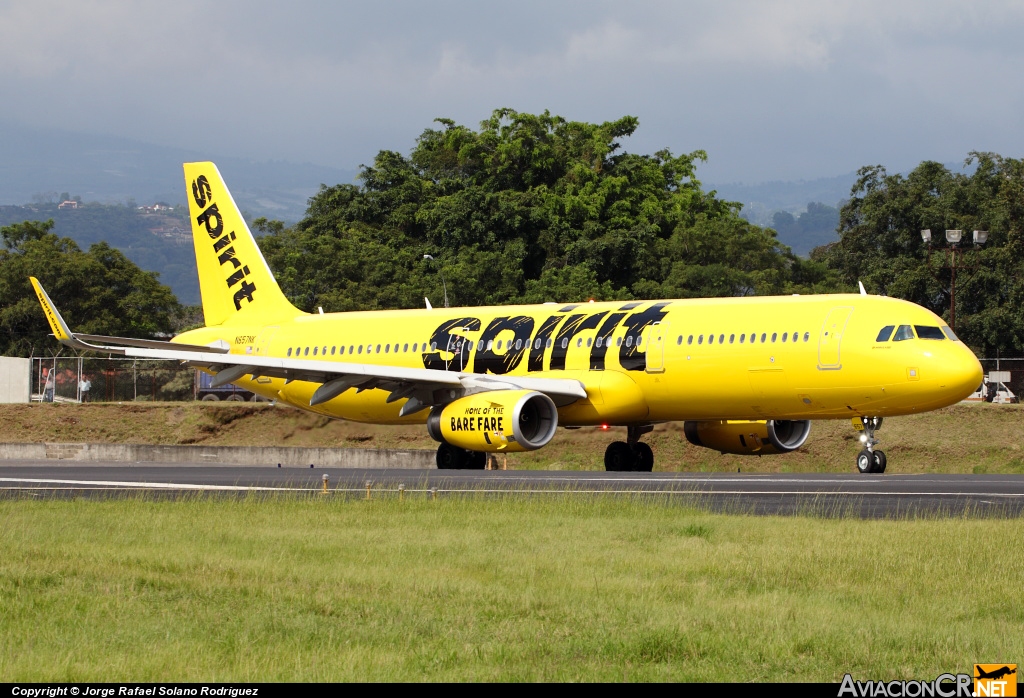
746	375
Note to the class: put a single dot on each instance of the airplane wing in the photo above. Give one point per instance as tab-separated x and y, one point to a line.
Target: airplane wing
423	387
96	342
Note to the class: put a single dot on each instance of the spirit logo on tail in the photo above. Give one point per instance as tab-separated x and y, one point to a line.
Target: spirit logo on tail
212	220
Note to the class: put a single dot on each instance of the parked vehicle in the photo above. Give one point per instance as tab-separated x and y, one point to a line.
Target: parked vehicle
206	391
993	389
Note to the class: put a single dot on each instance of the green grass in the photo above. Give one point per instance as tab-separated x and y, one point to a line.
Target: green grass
557	588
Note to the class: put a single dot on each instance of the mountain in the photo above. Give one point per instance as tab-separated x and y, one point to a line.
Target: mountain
35	164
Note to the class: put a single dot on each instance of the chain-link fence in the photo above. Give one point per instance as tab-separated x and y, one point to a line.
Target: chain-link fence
80	379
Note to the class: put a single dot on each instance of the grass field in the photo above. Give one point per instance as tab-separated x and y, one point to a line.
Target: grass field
567	588
978	438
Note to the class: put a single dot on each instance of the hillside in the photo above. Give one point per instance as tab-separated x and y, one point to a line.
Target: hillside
933	442
158	241
38	162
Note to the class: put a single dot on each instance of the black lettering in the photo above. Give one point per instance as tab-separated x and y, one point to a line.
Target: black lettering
447	342
201	191
245	291
603	339
573	326
223	242
453	424
488	360
499	425
228	255
238	276
213	221
631	357
480	424
536	362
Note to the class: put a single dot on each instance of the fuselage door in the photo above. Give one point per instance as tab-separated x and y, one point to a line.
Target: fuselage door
655	346
831	337
263	340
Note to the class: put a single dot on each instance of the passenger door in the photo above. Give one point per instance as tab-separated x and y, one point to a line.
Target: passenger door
655	341
832	330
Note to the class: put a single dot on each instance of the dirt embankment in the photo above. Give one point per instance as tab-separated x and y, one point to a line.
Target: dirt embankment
963	438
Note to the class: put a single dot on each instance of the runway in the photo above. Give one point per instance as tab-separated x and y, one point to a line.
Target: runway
868	496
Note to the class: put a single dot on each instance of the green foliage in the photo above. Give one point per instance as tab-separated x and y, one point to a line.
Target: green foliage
97	292
528	208
880	244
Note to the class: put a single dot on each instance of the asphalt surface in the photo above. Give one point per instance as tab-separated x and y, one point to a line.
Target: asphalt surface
869	496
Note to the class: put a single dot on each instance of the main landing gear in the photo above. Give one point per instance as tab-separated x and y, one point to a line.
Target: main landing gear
453	458
870	460
630	455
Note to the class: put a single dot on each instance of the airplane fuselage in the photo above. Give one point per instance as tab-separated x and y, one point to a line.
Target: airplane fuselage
790	357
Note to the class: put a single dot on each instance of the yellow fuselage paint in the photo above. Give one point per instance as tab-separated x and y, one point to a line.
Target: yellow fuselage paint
812	357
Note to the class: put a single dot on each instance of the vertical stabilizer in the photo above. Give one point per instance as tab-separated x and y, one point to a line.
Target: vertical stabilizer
233	276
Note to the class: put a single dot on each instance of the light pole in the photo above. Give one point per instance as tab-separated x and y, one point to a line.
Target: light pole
441	274
956	247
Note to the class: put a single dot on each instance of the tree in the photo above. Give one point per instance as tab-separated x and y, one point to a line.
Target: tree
880	244
528	207
97	292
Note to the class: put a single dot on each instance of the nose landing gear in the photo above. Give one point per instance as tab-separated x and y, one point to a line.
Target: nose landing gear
869	460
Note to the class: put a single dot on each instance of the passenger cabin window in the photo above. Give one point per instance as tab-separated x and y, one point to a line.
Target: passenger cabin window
784	335
903	332
732	338
689	340
743	337
764	336
700	339
721	339
885	333
711	339
289	351
807	336
341	350
928	332
405	347
306	352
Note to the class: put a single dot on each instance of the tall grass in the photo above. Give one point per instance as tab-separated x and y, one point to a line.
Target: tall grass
508	588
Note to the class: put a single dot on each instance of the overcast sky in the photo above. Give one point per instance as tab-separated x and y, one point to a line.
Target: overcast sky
771	90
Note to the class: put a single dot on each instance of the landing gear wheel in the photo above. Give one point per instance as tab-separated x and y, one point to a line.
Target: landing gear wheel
866	461
475	460
644	462
450	458
618	457
878	462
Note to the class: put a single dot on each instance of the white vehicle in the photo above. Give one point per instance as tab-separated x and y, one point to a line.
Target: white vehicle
994	389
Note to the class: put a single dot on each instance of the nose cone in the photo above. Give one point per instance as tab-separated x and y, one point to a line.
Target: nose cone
963	374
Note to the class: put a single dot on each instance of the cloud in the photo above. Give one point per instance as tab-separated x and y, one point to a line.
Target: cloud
770	89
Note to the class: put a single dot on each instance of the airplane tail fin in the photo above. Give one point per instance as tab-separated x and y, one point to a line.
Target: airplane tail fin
233	275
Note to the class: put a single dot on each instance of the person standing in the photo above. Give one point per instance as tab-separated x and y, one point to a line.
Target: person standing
84	386
48	386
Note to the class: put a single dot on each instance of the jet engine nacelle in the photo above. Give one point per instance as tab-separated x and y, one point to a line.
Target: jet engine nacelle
496	420
749	437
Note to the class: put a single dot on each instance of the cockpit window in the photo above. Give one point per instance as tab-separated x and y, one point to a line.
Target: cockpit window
903	332
928	332
886	332
949	333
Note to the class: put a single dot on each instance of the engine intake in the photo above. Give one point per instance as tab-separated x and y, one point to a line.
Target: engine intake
496	420
749	437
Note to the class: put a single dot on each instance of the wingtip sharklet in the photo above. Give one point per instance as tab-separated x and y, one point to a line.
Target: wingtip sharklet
57	324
